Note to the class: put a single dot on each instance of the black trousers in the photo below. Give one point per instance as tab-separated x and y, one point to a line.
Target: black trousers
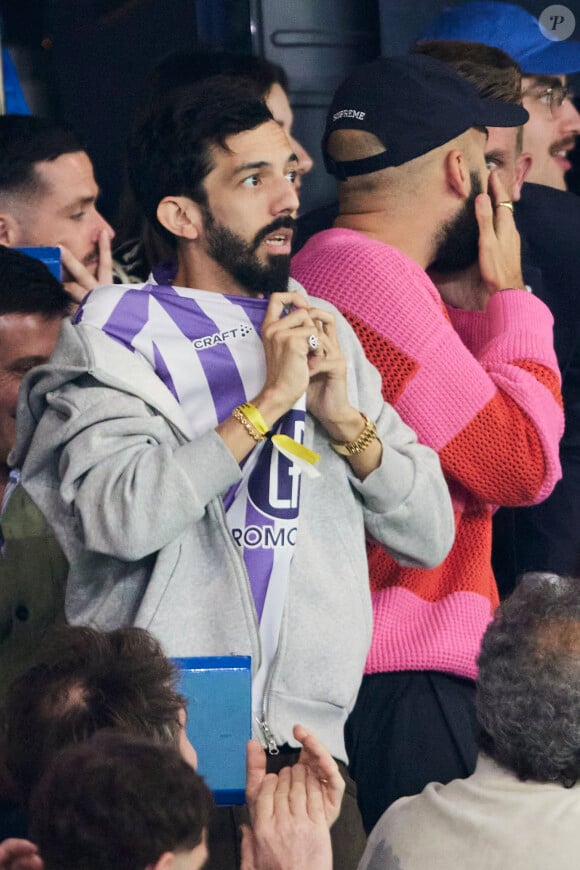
408	729
347	834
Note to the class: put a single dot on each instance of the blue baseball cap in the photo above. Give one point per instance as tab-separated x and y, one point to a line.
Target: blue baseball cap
412	104
511	28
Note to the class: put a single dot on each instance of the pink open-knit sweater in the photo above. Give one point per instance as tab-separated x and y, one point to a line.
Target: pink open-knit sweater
481	388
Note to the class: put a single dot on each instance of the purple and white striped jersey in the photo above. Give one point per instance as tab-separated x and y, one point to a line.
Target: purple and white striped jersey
207	350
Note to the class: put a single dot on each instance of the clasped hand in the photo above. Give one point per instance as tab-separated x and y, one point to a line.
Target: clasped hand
294	366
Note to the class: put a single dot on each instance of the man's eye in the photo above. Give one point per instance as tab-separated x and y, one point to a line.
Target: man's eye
546	97
291	176
20	371
251	181
491	163
77	216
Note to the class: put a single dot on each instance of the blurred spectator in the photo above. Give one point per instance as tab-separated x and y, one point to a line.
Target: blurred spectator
32	567
48	196
88	680
91	680
117	800
554	123
521	807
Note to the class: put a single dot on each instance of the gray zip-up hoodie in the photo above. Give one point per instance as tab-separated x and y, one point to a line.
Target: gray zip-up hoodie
108	456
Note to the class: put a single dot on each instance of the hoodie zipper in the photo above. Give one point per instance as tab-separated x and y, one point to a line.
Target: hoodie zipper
268	736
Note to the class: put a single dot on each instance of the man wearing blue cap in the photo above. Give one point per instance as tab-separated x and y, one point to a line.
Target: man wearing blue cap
554	123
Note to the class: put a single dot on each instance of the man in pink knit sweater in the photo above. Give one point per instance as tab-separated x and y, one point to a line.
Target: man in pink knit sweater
478	382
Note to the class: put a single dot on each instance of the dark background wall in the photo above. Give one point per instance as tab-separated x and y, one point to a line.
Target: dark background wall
84	60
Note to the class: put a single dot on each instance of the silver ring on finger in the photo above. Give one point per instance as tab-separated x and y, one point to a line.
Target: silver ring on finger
313	342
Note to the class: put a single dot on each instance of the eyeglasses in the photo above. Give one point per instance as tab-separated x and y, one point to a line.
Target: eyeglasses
552	96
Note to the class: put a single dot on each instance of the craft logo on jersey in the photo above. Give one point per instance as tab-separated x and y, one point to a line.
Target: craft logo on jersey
223	337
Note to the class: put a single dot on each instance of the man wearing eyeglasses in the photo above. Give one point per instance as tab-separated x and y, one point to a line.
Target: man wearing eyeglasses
554	124
550	134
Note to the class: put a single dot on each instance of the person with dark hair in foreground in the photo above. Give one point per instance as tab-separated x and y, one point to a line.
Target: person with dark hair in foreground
192	410
120	801
521	807
33	569
92	681
89	680
117	800
48	196
86	680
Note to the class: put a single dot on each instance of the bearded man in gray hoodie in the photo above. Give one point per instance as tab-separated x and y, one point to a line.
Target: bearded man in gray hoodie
175	437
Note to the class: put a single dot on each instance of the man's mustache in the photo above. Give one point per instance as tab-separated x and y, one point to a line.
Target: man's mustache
281	223
563	144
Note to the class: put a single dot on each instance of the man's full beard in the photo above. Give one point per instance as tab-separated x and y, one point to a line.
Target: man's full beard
458	240
239	258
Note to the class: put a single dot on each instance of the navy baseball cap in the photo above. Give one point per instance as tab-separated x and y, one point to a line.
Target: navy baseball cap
413	104
511	28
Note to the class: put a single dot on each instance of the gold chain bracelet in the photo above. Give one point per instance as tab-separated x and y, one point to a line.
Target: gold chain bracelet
239	415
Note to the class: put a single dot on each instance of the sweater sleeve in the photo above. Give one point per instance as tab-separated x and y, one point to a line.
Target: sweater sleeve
493	413
406	502
129	487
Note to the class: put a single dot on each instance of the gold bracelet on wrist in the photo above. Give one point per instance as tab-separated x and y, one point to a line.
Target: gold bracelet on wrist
353	448
239	415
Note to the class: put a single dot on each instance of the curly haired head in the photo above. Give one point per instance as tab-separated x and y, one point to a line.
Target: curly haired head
528	688
120	801
89	680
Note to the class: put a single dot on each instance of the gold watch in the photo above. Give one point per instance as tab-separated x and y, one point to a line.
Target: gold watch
353	448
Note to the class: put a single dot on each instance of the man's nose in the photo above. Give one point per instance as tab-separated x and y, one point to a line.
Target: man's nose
101	224
285	199
568	118
305	161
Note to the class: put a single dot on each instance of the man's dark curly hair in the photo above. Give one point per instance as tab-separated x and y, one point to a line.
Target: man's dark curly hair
89	680
170	150
117	801
528	688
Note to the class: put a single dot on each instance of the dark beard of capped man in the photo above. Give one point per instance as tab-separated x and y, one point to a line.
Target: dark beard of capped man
458	239
239	258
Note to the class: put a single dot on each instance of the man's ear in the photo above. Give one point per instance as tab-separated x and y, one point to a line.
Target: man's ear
164	862
457	173
9	230
523	165
181	216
